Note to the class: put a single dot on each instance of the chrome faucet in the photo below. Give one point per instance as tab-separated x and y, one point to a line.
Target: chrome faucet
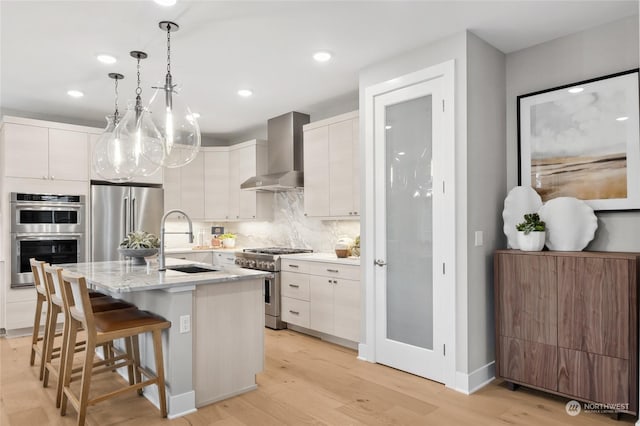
161	259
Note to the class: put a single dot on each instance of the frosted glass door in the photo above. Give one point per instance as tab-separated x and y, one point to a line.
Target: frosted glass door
407	127
409	222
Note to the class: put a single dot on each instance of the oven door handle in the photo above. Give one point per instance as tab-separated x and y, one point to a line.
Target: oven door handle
55	207
40	237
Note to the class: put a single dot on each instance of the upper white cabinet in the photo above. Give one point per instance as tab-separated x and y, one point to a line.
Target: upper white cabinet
40	152
208	188
332	167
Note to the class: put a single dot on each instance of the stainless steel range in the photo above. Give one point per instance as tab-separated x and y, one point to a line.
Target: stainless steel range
268	259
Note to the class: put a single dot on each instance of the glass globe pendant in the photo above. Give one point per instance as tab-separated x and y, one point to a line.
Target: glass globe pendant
178	127
111	167
138	142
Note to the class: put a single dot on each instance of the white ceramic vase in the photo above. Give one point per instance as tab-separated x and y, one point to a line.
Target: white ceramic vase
533	241
229	242
571	223
520	201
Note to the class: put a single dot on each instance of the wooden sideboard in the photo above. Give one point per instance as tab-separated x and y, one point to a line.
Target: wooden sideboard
567	323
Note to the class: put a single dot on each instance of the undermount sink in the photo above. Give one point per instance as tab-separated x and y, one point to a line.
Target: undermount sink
192	269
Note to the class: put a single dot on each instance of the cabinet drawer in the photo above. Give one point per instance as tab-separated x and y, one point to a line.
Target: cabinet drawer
335	270
295	266
204	257
295	285
224	258
295	311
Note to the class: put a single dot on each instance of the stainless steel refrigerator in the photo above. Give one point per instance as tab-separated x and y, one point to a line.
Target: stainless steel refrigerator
117	210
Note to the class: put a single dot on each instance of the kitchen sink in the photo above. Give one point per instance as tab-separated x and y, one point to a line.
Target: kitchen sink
192	269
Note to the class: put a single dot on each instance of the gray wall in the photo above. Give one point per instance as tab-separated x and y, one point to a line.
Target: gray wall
453	47
486	189
595	52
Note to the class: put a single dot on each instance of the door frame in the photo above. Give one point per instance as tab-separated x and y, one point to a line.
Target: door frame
447	250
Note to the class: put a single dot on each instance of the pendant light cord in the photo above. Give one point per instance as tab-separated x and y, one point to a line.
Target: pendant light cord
169	49
116	114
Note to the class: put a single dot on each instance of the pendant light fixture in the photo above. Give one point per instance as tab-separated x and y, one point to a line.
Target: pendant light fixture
140	139
178	126
108	166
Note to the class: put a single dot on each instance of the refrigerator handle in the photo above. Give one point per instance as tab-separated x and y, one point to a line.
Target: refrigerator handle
126	216
133	214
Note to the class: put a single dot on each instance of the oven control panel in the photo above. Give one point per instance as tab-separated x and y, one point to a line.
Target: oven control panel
263	265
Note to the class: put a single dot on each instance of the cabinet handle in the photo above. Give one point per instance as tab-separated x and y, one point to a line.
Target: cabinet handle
329	281
44	177
350	213
305	214
355	213
335	282
294	285
294	312
52	177
333	270
294	266
231	258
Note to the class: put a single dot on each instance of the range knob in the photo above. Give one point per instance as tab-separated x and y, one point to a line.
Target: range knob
272	266
262	264
251	264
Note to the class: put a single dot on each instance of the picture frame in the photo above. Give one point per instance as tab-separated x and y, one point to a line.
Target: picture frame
582	140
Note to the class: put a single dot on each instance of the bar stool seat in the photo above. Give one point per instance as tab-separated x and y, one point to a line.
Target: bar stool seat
101	327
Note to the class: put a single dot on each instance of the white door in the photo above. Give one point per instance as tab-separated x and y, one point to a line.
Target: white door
408	127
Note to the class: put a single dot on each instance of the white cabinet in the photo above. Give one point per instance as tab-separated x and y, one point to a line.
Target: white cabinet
216	183
332	167
194	256
224	258
321	296
172	189
246	160
192	187
40	152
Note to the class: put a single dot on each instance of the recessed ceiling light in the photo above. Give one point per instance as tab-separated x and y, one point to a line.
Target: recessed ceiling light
575	90
75	93
387	127
165	3
245	93
622	118
322	56
401	153
195	115
106	59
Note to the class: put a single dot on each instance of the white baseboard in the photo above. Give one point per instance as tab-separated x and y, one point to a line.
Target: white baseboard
363	353
228	395
471	382
326	337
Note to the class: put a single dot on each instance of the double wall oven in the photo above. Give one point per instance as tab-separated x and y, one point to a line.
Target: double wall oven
47	227
268	259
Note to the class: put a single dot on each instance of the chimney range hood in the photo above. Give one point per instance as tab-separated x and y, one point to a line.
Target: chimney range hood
284	148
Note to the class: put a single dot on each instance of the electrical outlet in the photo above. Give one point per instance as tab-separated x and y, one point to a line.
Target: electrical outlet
185	323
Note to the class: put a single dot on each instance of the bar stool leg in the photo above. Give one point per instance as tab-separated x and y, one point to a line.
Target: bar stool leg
36	329
49	336
130	368
69	350
86	379
66	330
157	351
136	360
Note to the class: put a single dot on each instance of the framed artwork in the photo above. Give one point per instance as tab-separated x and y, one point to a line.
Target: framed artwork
582	140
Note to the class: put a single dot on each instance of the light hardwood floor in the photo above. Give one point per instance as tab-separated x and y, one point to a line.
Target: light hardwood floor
306	381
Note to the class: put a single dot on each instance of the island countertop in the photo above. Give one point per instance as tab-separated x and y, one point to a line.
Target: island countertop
123	276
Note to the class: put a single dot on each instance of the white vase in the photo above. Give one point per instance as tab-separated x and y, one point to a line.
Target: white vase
520	201
571	223
229	242
533	241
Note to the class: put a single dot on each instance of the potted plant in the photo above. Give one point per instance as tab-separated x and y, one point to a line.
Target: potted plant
228	240
138	245
531	233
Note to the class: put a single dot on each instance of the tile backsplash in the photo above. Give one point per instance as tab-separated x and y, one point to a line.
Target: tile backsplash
289	228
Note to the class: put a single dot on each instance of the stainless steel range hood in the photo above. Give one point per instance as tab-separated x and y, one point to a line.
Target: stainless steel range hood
285	151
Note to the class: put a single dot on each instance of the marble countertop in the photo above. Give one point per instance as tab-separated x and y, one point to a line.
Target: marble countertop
323	257
122	276
192	250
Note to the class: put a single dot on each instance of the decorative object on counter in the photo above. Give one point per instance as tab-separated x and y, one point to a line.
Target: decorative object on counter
138	245
178	126
531	233
215	241
571	224
228	240
520	201
343	247
355	251
581	140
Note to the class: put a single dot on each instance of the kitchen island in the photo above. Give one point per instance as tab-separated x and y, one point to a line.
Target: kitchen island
215	345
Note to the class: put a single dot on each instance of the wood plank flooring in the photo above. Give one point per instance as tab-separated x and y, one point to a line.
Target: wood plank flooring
306	381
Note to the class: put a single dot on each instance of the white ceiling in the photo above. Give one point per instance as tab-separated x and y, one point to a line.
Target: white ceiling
49	47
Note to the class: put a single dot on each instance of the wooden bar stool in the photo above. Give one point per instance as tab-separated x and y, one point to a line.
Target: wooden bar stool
53	279
101	328
37	269
41	294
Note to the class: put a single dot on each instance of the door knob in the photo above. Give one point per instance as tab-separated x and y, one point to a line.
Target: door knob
379	262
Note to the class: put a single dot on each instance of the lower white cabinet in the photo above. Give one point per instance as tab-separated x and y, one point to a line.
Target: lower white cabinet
224	258
317	296
194	256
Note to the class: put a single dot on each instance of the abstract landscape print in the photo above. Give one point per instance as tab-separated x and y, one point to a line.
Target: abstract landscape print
581	140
